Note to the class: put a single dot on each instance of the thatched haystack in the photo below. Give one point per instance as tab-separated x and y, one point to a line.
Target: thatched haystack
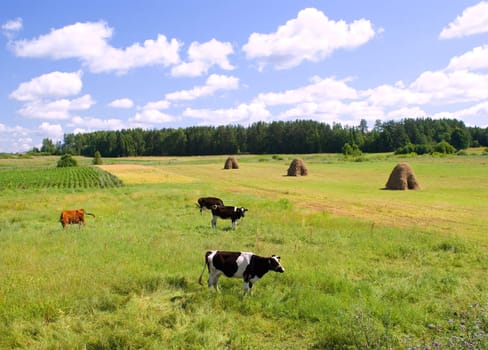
297	168
231	163
402	178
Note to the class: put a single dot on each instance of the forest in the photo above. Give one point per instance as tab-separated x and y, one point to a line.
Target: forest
420	135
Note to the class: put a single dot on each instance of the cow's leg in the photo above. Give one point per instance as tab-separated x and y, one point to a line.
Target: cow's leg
248	283
247	287
213	280
214	221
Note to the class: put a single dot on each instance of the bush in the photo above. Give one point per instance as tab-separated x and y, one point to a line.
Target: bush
66	161
410	148
444	147
98	158
423	149
351	150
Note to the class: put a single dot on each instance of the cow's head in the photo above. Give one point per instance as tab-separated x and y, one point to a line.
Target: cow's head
275	264
241	210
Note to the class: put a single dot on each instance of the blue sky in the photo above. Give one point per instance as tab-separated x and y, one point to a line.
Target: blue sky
81	66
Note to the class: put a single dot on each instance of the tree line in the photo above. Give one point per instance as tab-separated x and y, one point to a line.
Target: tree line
299	136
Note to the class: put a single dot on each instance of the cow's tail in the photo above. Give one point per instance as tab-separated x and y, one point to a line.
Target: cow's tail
90	214
203	270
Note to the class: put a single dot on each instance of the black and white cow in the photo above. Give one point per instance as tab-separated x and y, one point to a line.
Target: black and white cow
245	265
227	212
207	202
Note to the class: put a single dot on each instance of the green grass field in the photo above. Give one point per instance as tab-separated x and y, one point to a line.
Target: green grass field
366	268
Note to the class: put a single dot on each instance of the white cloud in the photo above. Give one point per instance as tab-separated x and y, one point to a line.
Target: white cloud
55	84
151	114
333	111
162	104
472	60
394	95
10	28
13	25
332	100
213	84
151	117
414	112
474	20
242	114
452	87
51	131
431	87
57	109
14	139
311	36
88	43
475	114
80	40
320	89
203	56
122	103
86	124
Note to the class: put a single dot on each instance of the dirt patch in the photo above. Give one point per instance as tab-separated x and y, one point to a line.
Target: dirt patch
142	174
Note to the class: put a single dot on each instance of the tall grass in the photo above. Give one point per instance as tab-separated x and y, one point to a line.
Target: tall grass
128	279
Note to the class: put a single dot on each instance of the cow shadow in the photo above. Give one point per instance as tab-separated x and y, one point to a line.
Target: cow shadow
205	229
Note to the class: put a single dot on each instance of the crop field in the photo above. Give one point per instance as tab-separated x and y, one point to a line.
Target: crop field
365	268
79	177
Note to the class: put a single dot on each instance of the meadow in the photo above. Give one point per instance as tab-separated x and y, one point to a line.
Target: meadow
366	268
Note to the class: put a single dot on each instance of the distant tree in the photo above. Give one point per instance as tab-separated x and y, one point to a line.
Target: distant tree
460	138
363	126
298	136
48	146
67	160
97	160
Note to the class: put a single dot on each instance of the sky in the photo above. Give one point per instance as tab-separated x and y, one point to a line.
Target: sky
82	66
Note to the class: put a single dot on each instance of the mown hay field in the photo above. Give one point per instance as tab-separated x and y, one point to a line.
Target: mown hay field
365	267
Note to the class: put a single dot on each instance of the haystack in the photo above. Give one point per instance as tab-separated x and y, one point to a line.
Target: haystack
297	168
231	163
402	178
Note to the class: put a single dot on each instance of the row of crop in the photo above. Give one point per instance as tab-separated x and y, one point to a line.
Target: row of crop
73	177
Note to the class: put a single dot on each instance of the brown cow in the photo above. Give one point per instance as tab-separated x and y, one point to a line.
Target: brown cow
76	216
